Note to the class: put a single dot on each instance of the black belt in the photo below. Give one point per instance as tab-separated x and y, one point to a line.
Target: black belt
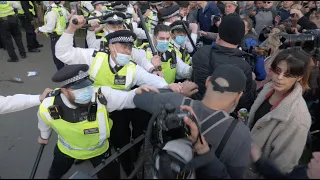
6	18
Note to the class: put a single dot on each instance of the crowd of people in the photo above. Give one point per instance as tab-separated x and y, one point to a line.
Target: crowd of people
214	59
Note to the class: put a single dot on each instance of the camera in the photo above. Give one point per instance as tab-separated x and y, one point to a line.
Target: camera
309	40
170	125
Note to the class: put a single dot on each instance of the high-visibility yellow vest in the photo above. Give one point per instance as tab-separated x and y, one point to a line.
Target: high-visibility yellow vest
99	35
169	69
85	13
81	140
61	21
185	56
32	10
149	21
102	75
6	9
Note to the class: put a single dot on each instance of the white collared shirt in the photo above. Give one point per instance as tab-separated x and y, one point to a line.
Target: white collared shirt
51	21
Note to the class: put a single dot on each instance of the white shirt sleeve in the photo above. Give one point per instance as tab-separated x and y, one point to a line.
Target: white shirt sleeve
88	5
92	41
18	102
117	99
51	23
142	77
14	4
183	70
68	54
139	56
139	31
188	43
44	128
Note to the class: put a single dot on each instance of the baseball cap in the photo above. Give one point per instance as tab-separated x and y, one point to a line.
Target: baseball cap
233	75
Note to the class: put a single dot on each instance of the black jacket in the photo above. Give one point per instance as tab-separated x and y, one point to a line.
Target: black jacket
26	6
203	65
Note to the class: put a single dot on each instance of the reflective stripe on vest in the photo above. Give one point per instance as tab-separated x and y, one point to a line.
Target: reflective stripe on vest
32	8
71	135
20	10
6	9
169	70
102	75
186	59
61	21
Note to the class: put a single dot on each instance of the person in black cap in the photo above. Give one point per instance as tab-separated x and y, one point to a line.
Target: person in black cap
224	51
223	91
78	112
99	11
180	40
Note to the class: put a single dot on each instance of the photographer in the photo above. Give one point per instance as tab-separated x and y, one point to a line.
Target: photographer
222	96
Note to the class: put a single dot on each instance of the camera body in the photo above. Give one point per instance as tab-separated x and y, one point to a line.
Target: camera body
170	125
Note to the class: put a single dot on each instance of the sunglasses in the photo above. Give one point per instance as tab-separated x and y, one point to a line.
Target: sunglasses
286	74
267	2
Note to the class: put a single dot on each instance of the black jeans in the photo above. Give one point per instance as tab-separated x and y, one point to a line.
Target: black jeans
9	26
121	134
30	34
57	62
62	163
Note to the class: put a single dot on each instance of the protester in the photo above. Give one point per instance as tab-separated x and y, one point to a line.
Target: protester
279	118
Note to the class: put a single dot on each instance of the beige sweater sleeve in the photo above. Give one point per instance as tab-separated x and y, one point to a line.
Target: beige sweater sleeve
290	143
211	35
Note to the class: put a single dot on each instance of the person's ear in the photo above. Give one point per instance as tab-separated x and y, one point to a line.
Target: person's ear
208	81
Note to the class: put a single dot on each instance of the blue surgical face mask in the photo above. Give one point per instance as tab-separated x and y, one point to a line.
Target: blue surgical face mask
122	59
162	46
83	96
180	40
104	9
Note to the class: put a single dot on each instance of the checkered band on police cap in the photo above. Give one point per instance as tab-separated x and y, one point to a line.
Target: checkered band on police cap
80	76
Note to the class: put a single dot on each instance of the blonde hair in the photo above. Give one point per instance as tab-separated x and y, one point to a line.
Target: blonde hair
296	6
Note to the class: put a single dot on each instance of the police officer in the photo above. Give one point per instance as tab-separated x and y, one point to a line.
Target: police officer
78	113
114	22
86	9
10	26
54	26
99	11
168	60
26	13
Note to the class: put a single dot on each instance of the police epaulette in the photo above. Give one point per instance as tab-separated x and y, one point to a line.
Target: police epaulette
133	62
53	93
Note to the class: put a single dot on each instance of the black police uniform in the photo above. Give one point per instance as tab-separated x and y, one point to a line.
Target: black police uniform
61	162
10	27
25	19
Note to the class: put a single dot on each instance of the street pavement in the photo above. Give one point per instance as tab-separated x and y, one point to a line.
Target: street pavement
19	132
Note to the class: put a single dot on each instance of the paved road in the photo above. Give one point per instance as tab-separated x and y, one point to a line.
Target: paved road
18	135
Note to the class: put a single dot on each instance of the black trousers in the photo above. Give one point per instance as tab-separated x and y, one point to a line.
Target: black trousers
30	34
9	26
121	134
62	163
57	62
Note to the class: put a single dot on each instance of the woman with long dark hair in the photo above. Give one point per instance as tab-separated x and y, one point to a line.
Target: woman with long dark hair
279	118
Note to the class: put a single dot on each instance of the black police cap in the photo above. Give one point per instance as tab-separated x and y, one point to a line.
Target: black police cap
121	36
114	17
178	25
168	12
97	2
73	76
120	5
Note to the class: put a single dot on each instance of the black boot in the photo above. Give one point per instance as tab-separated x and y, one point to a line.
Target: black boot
13	60
35	50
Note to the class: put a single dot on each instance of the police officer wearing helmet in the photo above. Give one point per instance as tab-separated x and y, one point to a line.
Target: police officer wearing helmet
115	22
10	26
78	112
26	13
54	25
